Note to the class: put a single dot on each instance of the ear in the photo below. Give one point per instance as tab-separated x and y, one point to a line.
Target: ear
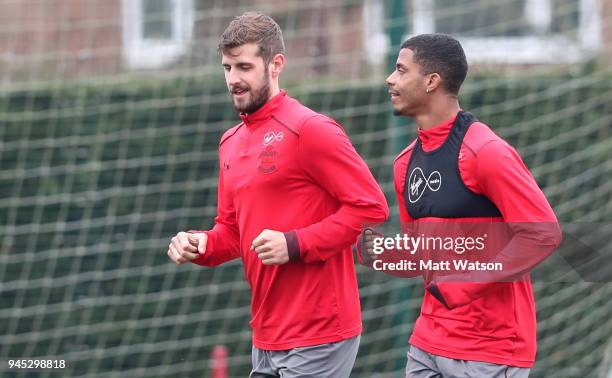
276	65
432	82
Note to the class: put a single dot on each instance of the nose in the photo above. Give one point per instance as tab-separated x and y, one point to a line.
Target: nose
390	79
232	77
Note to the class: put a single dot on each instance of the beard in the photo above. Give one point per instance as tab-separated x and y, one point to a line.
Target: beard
257	97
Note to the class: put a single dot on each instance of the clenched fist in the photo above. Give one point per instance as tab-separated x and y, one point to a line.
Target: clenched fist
187	246
366	246
271	247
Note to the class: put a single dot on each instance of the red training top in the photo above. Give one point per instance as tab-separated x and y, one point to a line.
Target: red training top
491	322
287	168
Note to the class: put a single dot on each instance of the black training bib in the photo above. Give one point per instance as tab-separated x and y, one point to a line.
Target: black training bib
434	187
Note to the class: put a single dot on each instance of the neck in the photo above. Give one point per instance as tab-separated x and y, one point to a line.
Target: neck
438	112
274	89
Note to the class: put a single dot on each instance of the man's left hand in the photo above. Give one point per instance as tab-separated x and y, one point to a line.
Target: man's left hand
271	247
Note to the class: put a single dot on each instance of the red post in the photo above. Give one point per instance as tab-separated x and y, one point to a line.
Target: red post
219	362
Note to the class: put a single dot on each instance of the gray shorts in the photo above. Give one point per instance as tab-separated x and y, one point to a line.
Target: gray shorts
333	360
426	365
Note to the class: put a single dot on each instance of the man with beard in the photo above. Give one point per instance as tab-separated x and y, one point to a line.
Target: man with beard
293	195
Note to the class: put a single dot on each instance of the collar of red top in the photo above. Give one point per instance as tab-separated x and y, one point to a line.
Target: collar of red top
266	111
434	137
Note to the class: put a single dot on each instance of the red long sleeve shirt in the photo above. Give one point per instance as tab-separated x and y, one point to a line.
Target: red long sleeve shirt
491	322
287	168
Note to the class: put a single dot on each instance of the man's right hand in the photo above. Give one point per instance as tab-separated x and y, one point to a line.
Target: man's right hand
186	246
365	245
368	241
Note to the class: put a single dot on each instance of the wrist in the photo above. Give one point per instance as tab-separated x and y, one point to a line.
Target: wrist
293	245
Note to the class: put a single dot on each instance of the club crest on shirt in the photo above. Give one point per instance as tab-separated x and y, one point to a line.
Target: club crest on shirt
267	160
418	183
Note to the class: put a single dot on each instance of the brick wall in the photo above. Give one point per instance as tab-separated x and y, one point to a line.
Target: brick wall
59	38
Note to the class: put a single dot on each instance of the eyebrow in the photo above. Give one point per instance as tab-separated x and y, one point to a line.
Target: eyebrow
242	64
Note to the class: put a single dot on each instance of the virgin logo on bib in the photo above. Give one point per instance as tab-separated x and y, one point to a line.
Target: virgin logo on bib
419	183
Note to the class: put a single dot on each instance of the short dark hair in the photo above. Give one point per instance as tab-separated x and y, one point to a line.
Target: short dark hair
442	54
254	27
